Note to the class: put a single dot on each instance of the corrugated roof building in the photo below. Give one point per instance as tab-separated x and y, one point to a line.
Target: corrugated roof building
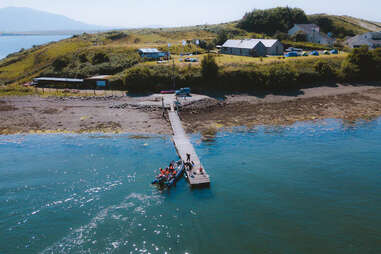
253	47
57	82
247	47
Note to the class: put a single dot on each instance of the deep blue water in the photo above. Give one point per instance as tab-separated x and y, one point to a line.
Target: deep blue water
12	44
308	188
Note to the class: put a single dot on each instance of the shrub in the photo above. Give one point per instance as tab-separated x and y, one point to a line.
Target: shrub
377	59
359	65
209	67
325	70
281	76
83	58
282	36
222	37
299	36
117	36
349	71
60	63
100	58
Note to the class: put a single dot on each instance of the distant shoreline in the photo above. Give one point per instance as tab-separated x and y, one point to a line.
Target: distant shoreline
50	33
8	35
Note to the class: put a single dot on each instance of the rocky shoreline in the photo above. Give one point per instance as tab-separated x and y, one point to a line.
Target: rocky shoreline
144	115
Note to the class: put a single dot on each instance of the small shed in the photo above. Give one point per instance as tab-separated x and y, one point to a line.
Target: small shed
101	81
152	53
248	47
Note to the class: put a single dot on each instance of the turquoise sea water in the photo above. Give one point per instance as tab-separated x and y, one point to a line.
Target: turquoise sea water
307	188
12	44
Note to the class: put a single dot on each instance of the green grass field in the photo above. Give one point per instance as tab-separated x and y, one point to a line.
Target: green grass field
121	47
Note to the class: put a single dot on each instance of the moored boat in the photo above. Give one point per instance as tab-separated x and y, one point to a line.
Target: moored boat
169	181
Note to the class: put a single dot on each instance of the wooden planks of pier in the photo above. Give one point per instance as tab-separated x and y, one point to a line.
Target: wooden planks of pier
184	147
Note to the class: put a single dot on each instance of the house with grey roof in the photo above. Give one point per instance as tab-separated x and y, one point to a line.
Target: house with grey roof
312	33
247	47
371	39
273	47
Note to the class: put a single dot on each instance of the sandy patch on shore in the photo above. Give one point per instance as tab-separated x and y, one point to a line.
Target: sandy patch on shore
32	114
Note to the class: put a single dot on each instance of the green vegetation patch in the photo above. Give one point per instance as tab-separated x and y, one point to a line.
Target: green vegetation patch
20	67
91	61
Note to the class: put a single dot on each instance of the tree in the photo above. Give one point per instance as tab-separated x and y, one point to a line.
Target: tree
273	20
222	37
209	67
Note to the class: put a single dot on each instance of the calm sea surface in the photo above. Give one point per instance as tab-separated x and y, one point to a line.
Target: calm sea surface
308	188
12	44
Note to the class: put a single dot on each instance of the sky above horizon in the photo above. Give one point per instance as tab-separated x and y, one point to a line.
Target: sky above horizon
140	13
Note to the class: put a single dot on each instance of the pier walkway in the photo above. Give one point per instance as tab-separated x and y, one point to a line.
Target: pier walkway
184	147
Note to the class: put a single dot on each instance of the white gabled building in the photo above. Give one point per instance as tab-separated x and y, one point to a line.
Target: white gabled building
247	47
252	47
371	39
313	34
273	47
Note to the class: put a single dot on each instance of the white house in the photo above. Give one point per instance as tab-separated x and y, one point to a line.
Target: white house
371	39
248	47
313	33
273	47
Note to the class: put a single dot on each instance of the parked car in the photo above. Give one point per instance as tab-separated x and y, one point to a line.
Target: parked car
334	52
314	53
291	54
192	60
183	92
305	54
292	49
326	52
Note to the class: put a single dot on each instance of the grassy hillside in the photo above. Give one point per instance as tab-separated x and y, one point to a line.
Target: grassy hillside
114	52
24	65
342	26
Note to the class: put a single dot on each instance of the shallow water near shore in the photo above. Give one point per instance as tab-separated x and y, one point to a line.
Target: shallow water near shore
311	187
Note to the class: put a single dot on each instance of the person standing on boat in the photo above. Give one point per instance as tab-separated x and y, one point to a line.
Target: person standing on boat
188	157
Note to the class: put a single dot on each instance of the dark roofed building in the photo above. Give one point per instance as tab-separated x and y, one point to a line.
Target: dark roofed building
54	82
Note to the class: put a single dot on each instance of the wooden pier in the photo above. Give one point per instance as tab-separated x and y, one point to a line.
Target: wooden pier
184	147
